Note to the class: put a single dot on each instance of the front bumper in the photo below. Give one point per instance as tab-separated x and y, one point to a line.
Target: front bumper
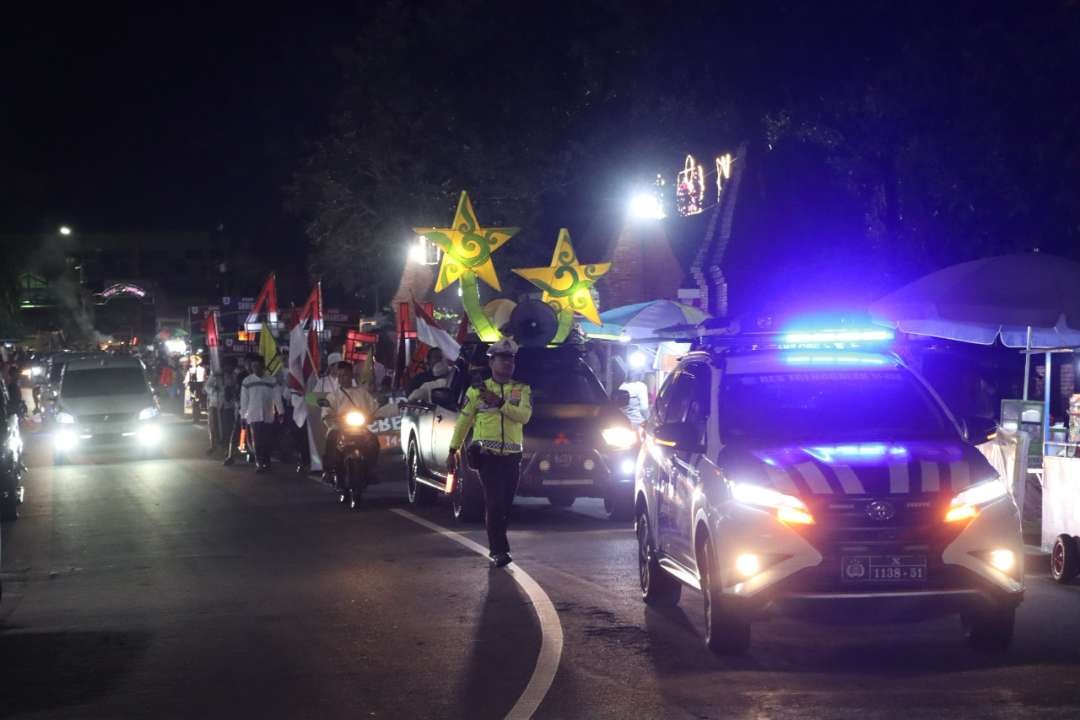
137	435
577	471
803	570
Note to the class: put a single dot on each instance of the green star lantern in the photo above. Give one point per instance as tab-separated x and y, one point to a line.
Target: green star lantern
567	284
467	250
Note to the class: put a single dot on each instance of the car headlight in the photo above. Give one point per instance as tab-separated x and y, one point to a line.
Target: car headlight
65	418
967	503
788	508
149	435
619	437
65	440
148	413
354	418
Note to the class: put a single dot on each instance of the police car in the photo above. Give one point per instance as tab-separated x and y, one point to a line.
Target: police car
811	476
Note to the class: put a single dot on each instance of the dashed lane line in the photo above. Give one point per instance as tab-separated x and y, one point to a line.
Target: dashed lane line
551	632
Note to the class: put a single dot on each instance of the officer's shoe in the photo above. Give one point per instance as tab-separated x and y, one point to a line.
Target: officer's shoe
502	560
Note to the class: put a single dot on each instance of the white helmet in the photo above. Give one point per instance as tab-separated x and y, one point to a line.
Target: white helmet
506	346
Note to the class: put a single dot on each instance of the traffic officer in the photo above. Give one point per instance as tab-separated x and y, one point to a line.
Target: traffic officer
496	410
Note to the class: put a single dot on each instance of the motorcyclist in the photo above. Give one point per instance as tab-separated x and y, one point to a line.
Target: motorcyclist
343	398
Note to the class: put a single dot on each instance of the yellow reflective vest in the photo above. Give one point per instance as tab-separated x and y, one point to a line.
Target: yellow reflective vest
497	429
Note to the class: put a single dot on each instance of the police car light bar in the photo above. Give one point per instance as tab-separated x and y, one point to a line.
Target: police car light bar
838	336
836	359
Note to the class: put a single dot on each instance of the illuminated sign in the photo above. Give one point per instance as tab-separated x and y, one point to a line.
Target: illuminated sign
117	289
693	180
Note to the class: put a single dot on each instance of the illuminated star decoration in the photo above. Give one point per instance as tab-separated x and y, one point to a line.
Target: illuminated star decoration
567	283
466	247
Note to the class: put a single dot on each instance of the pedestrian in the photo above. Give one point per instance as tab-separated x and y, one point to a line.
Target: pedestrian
232	391
215	396
496	409
637	410
261	407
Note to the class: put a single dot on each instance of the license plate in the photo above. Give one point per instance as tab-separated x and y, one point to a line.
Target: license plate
562	459
571	481
883	568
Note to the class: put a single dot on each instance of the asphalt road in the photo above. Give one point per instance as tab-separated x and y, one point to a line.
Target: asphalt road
178	588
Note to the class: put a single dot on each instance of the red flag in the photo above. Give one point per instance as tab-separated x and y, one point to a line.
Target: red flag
267	296
313	309
213	340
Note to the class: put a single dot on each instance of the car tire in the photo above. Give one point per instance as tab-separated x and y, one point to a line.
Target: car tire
466	502
658	588
1065	559
989	630
419	493
620	508
562	501
725	632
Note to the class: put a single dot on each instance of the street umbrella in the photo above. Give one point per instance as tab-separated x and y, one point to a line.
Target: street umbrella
642	320
170	333
1028	301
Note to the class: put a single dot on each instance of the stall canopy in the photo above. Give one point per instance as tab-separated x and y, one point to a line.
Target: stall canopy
1028	301
642	320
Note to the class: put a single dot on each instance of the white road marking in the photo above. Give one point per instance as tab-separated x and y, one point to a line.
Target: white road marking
551	632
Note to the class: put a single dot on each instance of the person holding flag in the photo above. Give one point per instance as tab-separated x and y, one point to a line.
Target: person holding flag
261	406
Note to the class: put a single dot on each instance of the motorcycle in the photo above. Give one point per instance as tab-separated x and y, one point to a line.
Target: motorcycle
11	470
358	452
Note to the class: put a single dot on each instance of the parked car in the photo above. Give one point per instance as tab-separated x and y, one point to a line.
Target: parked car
578	443
822	483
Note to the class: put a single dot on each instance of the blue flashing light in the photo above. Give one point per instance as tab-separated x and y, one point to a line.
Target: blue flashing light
867	335
839	360
828	453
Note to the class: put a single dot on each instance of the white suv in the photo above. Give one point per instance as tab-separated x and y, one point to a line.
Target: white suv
820	482
104	402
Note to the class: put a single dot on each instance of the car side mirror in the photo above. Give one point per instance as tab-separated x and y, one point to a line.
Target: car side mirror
681	436
621	398
444	398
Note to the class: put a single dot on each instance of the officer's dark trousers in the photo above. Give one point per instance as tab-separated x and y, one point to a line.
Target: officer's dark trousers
499	476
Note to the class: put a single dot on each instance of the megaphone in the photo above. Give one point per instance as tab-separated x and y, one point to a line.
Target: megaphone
533	324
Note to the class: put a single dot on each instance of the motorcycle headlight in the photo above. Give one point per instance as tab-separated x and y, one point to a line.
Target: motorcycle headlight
65	418
788	508
619	437
967	503
355	419
148	413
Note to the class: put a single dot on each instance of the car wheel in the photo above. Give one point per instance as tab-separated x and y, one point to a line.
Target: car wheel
561	501
1065	559
465	500
621	507
989	630
725	632
657	587
419	493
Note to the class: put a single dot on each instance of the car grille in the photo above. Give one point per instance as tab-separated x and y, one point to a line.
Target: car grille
107	418
851	527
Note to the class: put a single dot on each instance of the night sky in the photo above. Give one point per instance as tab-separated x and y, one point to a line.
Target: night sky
151	117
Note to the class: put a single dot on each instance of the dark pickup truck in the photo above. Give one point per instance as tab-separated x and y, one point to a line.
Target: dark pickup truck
578	443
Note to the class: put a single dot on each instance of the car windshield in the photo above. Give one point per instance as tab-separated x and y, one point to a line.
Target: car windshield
847	405
573	384
103	381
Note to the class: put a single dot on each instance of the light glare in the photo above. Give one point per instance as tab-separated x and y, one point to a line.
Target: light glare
646	206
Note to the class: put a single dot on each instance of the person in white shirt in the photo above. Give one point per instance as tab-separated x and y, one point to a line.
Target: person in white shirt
261	406
637	412
346	397
422	394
